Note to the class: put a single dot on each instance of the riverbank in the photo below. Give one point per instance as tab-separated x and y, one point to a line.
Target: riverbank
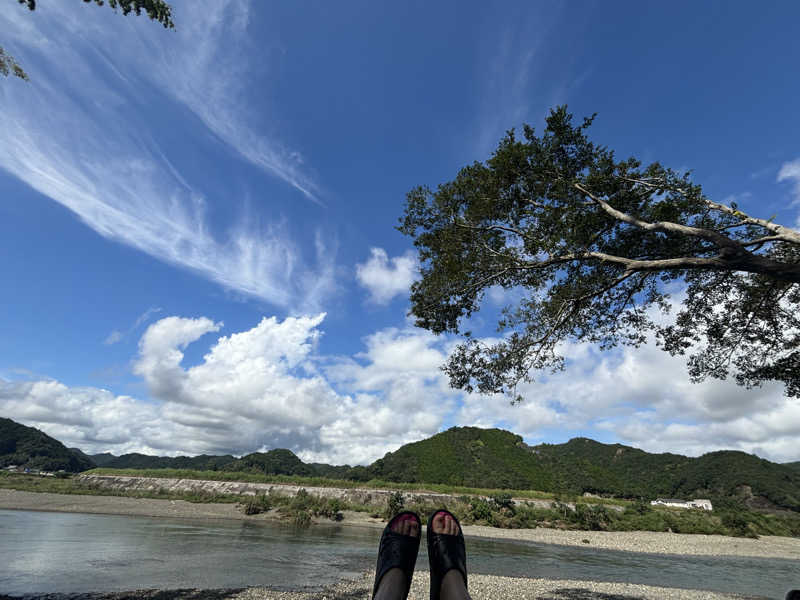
630	541
481	587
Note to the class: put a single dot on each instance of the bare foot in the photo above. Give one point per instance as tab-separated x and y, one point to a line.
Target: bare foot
406	525
445	524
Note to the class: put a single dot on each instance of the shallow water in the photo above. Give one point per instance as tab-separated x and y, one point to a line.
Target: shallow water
70	552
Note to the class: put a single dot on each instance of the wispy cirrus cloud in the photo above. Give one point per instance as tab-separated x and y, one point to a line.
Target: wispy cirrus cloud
77	133
117	335
209	74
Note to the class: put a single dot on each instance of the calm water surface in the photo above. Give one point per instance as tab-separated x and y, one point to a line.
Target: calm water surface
69	552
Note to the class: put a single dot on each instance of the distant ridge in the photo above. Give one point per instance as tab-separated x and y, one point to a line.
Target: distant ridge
29	448
495	458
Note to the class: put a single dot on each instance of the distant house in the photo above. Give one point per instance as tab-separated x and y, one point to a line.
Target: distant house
700	503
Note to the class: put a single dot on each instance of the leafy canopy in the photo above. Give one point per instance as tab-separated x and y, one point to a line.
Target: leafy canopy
589	243
157	10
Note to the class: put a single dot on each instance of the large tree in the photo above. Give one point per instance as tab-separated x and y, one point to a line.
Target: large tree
157	10
589	245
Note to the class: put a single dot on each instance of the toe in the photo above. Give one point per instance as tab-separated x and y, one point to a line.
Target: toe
398	524
414	529
439	523
407	527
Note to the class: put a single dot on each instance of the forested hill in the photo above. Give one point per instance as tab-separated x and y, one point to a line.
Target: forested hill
29	448
473	457
495	458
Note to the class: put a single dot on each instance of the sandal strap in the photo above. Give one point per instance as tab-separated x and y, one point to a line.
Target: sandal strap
445	553
396	551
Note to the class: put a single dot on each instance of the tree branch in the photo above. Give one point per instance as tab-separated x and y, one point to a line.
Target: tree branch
785	234
715	237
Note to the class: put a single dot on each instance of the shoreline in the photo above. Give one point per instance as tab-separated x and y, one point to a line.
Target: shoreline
626	541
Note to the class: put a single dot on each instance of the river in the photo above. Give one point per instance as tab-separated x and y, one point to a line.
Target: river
43	552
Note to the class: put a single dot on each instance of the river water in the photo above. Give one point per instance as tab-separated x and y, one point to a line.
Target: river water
44	552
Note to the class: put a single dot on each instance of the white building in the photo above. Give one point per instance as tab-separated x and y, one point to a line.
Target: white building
700	503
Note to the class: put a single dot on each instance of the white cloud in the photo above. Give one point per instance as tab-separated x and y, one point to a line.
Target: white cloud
260	388
90	418
790	171
386	277
210	73
113	337
117	336
82	140
267	387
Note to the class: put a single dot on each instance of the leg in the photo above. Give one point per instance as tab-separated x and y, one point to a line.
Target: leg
392	585
453	587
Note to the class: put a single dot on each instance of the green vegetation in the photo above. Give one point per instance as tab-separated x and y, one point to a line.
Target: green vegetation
394	505
465	461
29	448
584	465
501	511
298	509
72	485
469	460
590	244
335	483
135	460
469	456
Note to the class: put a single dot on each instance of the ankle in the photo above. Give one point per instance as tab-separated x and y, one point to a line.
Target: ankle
453	586
391	586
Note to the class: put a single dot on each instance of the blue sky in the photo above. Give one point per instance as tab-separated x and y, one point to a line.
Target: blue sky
197	226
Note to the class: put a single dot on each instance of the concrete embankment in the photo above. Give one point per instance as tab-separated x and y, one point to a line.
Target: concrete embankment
367	496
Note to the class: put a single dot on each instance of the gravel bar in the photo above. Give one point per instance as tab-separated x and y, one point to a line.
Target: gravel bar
481	587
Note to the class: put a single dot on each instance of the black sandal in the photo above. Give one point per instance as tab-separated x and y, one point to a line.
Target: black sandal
397	550
445	553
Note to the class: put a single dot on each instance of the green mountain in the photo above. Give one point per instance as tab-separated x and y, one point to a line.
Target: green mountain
474	457
274	462
102	460
583	465
134	460
468	456
30	448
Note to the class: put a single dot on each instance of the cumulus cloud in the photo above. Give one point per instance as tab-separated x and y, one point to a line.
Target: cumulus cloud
77	133
268	387
643	397
93	419
386	277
